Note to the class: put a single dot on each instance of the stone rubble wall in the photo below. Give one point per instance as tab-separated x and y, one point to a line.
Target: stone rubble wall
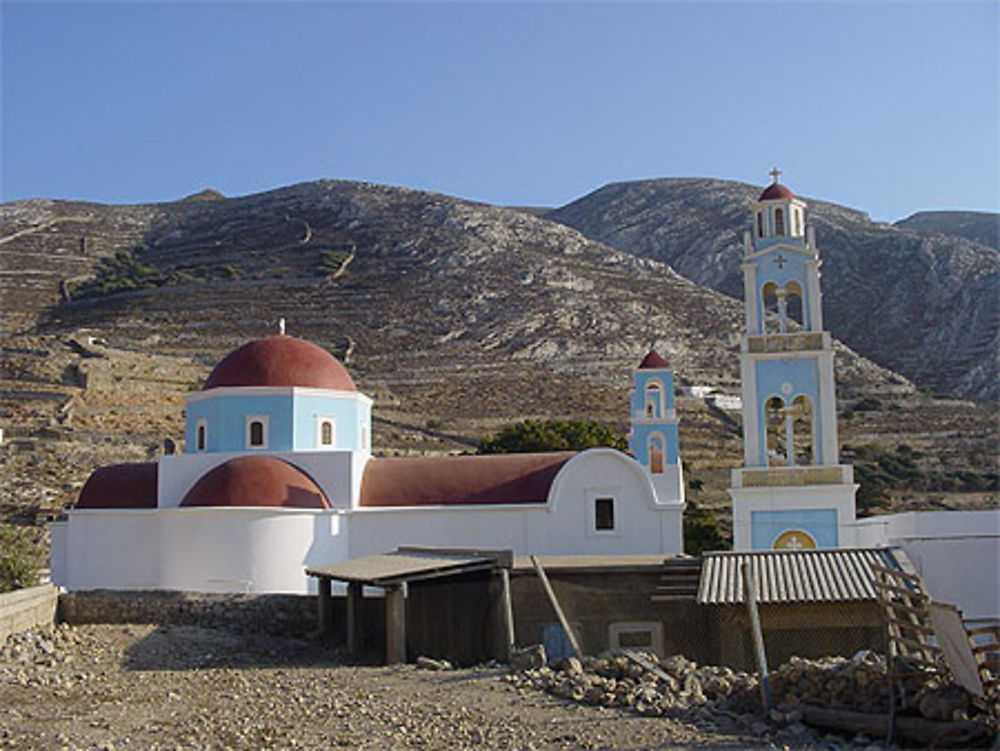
25	609
281	615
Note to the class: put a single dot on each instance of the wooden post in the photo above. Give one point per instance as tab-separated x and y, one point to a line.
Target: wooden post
758	636
555	606
395	625
324	602
355	617
508	610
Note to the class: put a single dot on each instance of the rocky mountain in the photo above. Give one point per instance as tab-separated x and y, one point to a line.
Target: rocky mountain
458	317
408	286
981	227
924	305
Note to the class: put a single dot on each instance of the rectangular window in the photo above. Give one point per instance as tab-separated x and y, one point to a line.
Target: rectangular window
646	635
604	514
201	435
256	431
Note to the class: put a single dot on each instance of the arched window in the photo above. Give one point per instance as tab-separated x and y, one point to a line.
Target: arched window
769	295
801	414
201	438
326	433
656	453
760	224
654	400
779	222
793	302
256	431
774	422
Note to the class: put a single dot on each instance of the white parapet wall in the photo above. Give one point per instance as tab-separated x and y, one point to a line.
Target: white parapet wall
25	609
957	553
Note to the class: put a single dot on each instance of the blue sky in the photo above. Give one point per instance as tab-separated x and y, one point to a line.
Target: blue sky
888	107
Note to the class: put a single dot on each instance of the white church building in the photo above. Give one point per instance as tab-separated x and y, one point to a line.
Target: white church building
279	476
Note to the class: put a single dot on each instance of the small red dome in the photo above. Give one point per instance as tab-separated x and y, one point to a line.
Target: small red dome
775	191
120	486
653	361
280	361
256	481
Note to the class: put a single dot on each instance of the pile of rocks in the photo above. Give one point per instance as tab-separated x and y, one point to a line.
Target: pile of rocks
649	687
860	684
676	686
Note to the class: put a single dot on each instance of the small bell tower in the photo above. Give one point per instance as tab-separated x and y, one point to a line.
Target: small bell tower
653	438
791	491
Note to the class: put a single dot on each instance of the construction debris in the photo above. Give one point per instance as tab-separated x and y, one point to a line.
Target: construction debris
847	695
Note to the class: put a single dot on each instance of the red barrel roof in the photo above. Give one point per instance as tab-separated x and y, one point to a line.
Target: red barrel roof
120	486
256	481
461	480
280	361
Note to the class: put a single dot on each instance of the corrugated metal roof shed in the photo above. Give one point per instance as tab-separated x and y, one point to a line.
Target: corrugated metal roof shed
787	576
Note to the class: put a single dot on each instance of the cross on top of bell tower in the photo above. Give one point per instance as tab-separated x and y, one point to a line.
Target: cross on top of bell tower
775	173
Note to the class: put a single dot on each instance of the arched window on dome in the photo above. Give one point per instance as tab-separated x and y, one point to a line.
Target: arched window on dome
256	431
326	432
779	221
760	224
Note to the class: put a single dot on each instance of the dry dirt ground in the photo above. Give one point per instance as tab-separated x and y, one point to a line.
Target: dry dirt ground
148	687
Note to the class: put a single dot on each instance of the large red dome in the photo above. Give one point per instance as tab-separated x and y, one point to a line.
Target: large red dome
256	481
280	361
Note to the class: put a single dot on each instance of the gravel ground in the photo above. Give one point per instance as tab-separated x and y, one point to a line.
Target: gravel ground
147	687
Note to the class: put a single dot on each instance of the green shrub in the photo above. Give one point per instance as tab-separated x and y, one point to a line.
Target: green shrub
20	557
702	531
552	435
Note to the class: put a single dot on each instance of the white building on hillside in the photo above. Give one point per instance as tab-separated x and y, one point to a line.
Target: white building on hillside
279	475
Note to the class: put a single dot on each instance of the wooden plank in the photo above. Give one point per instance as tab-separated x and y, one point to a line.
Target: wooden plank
912	626
961	734
995	630
500	557
355	617
758	637
324	604
904	608
899	590
921	645
508	610
395	625
897	574
555	606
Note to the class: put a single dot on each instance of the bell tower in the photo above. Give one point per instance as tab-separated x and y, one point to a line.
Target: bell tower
653	439
791	492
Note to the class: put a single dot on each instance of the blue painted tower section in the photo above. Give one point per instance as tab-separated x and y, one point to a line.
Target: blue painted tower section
653	438
291	420
792	492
